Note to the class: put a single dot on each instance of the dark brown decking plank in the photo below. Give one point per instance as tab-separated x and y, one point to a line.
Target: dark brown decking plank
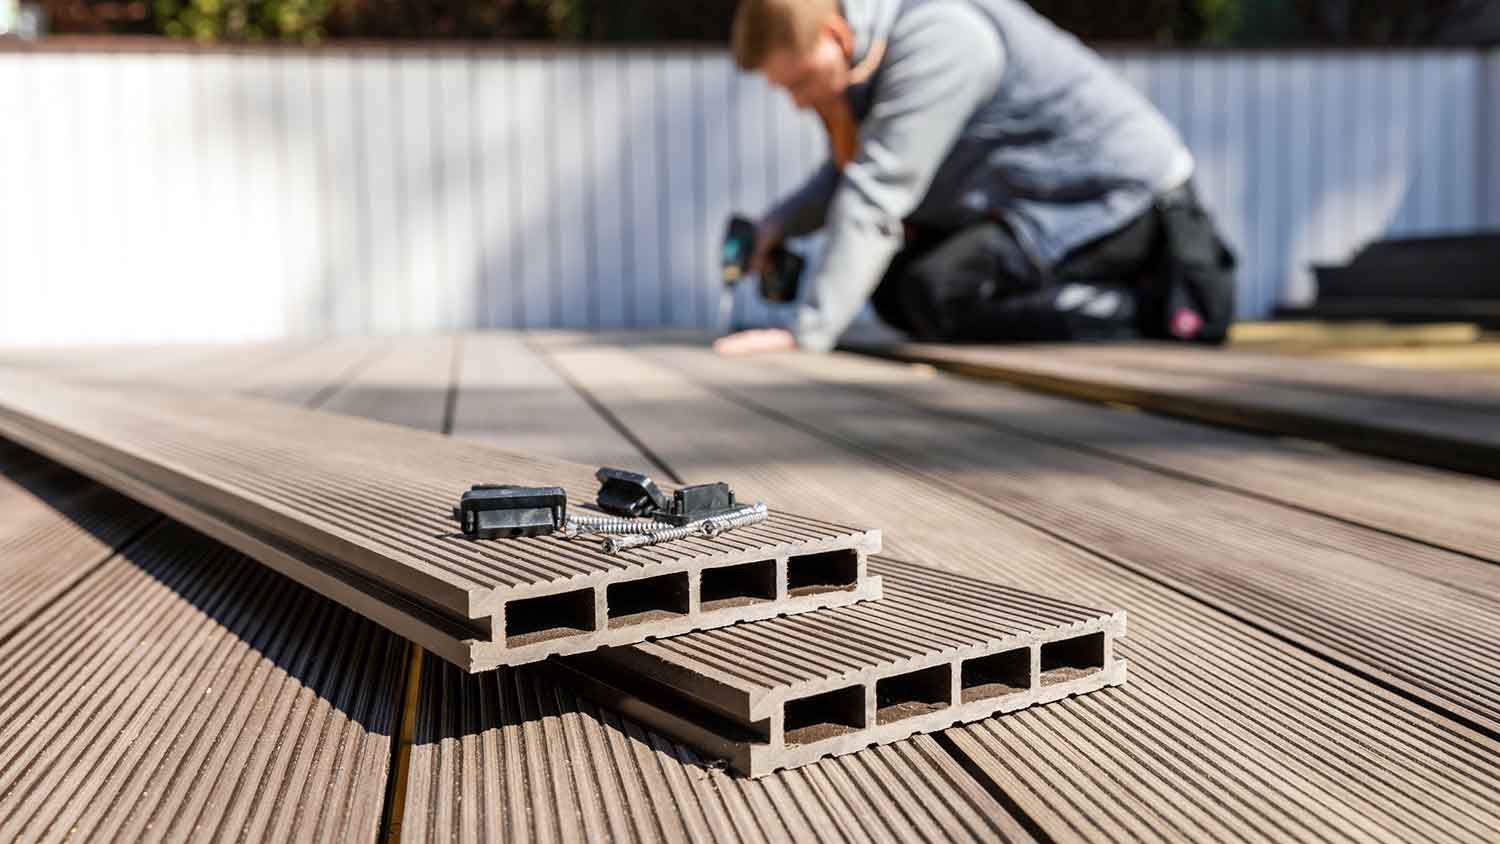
510	397
361	512
55	528
254	704
178	688
511	754
1463	390
1223	730
1406	613
1463	439
1445	509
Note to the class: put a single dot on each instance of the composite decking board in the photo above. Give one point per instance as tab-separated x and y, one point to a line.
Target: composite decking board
256	721
1330	337
396	385
310	378
372	500
927	613
179	690
55	527
512	755
508	396
1372	601
941	649
1222	727
1463	390
202	366
1462	439
1448	510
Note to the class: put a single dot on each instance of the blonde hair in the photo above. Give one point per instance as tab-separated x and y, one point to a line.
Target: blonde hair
764	26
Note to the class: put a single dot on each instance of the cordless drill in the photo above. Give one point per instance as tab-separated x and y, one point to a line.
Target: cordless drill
778	283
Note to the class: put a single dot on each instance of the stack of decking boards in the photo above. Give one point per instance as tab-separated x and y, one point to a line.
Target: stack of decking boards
1418	279
842	650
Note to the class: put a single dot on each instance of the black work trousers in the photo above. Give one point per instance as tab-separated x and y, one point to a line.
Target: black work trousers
976	284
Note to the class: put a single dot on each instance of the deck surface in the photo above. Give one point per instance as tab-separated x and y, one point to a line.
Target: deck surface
1311	645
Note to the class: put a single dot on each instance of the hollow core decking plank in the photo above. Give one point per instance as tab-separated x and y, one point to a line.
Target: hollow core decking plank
359	511
1462	439
511	755
940	649
1223	731
1368	600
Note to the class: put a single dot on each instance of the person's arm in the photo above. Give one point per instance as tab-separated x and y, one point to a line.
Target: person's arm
806	209
944	61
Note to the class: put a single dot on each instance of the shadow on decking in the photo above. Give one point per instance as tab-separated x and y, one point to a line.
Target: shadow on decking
517	719
347	661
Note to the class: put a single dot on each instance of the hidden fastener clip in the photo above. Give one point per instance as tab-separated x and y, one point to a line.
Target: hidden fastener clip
504	511
696	503
629	494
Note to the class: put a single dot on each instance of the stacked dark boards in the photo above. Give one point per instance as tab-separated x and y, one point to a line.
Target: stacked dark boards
359	510
1422	279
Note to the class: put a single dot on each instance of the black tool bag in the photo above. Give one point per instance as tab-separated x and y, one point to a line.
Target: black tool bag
1190	297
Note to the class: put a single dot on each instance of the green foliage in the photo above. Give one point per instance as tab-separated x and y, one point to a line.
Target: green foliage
1165	22
243	20
1149	21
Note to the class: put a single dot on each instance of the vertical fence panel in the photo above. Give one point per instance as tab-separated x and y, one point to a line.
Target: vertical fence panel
496	188
609	133
685	228
1488	143
570	105
337	287
717	145
381	237
17	200
300	203
209	195
647	266
455	217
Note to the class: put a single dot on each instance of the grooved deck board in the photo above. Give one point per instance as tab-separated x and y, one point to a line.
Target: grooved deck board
1409	614
55	527
180	690
1435	506
1462	438
509	397
1223	731
940	649
510	754
1461	390
360	510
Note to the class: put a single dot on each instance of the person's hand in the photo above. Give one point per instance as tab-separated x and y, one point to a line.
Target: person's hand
768	235
755	341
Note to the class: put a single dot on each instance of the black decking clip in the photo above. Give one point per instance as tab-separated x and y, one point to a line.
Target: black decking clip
629	494
704	501
496	511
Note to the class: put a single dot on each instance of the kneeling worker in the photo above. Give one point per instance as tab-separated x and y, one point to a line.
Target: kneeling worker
991	179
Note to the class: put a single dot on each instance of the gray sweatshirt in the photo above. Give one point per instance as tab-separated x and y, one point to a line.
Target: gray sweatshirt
979	109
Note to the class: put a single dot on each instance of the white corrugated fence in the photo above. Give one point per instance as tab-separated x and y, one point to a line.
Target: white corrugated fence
227	195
